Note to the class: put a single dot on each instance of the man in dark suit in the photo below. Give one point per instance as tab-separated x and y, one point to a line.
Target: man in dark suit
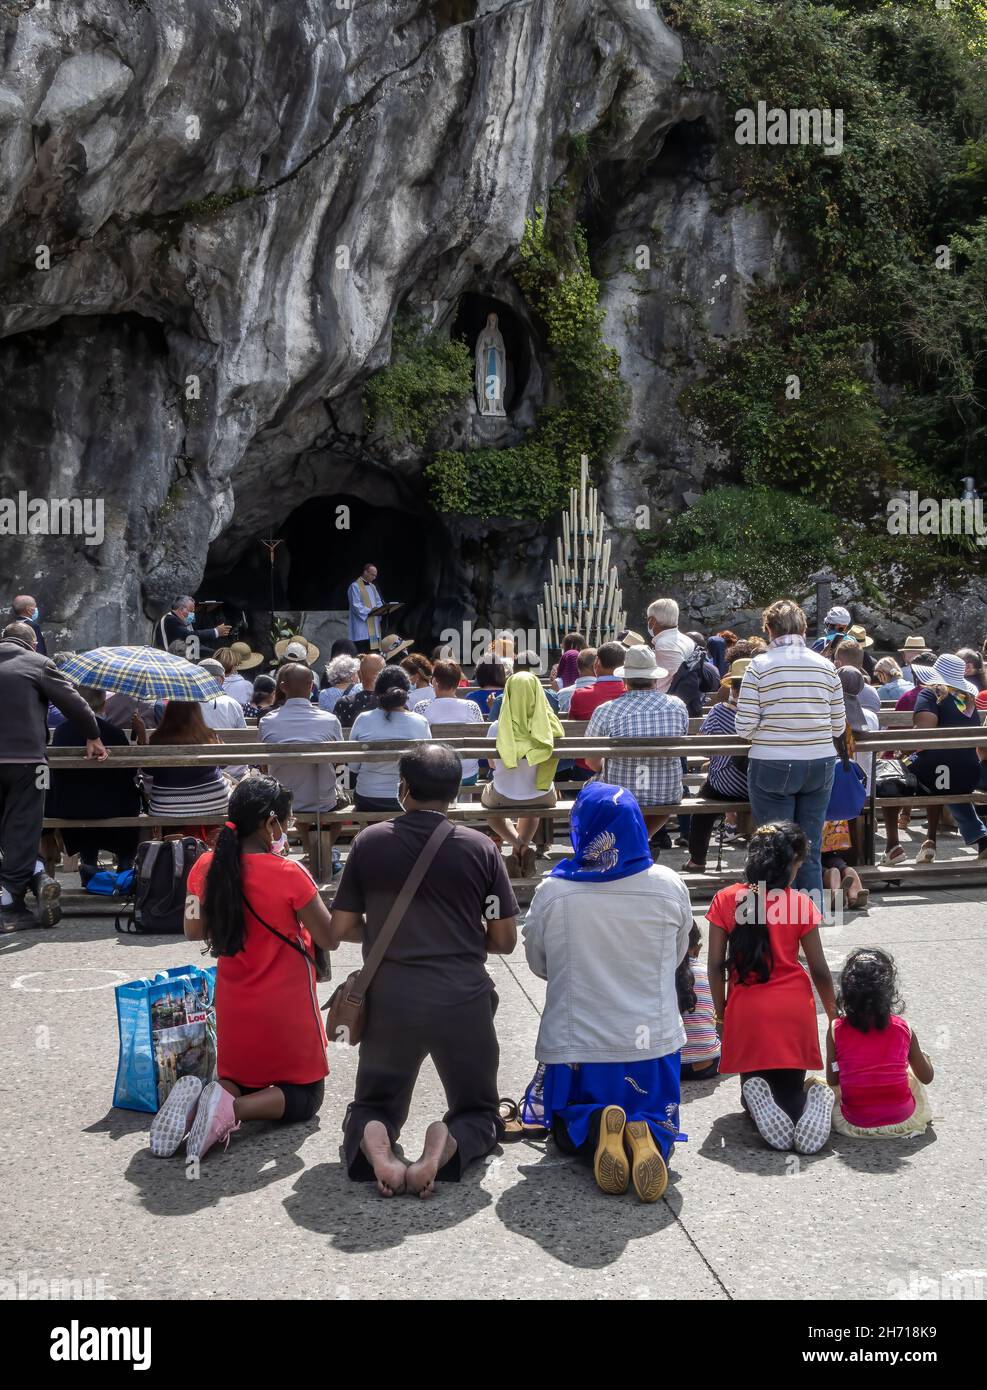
24	609
177	625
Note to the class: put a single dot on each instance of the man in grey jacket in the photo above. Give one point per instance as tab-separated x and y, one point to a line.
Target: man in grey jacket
29	682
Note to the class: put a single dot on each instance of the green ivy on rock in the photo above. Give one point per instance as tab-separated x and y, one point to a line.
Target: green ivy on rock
531	480
874	299
427	378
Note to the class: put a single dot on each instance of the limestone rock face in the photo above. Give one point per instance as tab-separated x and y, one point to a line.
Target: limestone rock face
209	216
210	213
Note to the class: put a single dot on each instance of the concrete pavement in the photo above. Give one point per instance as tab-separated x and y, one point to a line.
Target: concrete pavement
275	1216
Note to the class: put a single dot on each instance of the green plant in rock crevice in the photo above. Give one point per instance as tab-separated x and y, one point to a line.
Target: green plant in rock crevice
531	479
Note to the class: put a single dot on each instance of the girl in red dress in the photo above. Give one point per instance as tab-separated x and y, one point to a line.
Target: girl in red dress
768	1026
261	915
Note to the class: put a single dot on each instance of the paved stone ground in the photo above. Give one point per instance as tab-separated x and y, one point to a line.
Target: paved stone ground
275	1216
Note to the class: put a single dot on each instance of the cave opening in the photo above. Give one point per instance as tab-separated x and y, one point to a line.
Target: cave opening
324	544
471	317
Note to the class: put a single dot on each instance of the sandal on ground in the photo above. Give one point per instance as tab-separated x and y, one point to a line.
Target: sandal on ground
927	853
648	1171
860	901
526	858
513	1127
610	1167
894	856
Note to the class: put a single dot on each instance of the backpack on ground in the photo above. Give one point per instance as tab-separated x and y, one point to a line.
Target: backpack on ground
156	902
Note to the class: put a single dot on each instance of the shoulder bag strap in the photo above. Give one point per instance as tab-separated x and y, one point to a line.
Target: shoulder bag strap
274	931
400	906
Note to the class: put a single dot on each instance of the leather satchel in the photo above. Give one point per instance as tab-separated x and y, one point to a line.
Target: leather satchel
347	1014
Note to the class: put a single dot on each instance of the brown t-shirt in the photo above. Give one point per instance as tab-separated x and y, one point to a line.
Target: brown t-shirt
438	953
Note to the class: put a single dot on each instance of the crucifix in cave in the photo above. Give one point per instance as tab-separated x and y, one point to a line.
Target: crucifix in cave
491	369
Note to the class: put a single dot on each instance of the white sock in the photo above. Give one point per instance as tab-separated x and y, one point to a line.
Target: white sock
5	898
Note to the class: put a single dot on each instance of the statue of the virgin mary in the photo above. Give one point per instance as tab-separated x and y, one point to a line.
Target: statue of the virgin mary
491	369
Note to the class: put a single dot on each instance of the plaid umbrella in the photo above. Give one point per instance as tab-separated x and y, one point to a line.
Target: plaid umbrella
141	671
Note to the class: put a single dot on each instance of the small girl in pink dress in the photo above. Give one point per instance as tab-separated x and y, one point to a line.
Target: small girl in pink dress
873	1059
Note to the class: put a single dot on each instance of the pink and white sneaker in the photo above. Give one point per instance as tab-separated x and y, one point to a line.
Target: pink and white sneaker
174	1120
214	1120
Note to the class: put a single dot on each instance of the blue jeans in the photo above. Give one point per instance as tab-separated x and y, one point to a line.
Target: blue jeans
968	822
797	791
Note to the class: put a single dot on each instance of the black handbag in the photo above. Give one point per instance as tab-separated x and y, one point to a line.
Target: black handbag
893	778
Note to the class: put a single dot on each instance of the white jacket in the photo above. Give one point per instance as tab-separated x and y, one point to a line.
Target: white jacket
609	952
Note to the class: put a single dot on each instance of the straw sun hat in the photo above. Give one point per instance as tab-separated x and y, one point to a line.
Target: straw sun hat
297	648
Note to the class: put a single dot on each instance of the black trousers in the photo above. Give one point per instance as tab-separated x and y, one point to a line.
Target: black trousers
121	843
787	1086
300	1102
462	1043
22	811
702	826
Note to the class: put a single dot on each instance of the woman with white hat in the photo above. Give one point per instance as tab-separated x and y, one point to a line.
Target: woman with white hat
234	659
946	700
297	648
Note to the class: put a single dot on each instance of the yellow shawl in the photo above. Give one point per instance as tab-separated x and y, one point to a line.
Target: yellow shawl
527	727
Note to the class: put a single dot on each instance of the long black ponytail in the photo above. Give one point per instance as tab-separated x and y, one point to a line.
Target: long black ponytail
252	803
773	851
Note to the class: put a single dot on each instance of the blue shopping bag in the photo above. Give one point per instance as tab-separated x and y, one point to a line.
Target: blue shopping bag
167	1029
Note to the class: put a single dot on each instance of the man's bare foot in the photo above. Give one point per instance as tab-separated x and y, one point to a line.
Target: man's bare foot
439	1148
389	1171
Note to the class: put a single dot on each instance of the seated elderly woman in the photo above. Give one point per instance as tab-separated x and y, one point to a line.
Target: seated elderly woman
524	768
607	929
889	681
342	677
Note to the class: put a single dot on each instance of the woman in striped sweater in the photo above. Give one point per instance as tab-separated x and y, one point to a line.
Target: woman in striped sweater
186	791
791	709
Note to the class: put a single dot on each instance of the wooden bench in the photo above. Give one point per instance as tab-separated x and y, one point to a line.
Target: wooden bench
469	741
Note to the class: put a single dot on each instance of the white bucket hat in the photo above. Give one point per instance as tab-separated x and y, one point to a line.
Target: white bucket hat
640	665
949	670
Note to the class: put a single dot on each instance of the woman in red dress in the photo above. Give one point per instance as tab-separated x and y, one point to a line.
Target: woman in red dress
768	1026
259	913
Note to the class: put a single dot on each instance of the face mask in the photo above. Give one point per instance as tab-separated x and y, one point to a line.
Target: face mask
189	619
35	614
279	845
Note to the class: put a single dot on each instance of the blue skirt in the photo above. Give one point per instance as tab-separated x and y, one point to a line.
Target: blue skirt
646	1091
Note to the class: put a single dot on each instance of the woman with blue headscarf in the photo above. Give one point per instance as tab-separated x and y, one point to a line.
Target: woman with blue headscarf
607	930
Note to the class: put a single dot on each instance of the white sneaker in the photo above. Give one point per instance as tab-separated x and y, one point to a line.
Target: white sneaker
812	1129
174	1120
774	1125
926	854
